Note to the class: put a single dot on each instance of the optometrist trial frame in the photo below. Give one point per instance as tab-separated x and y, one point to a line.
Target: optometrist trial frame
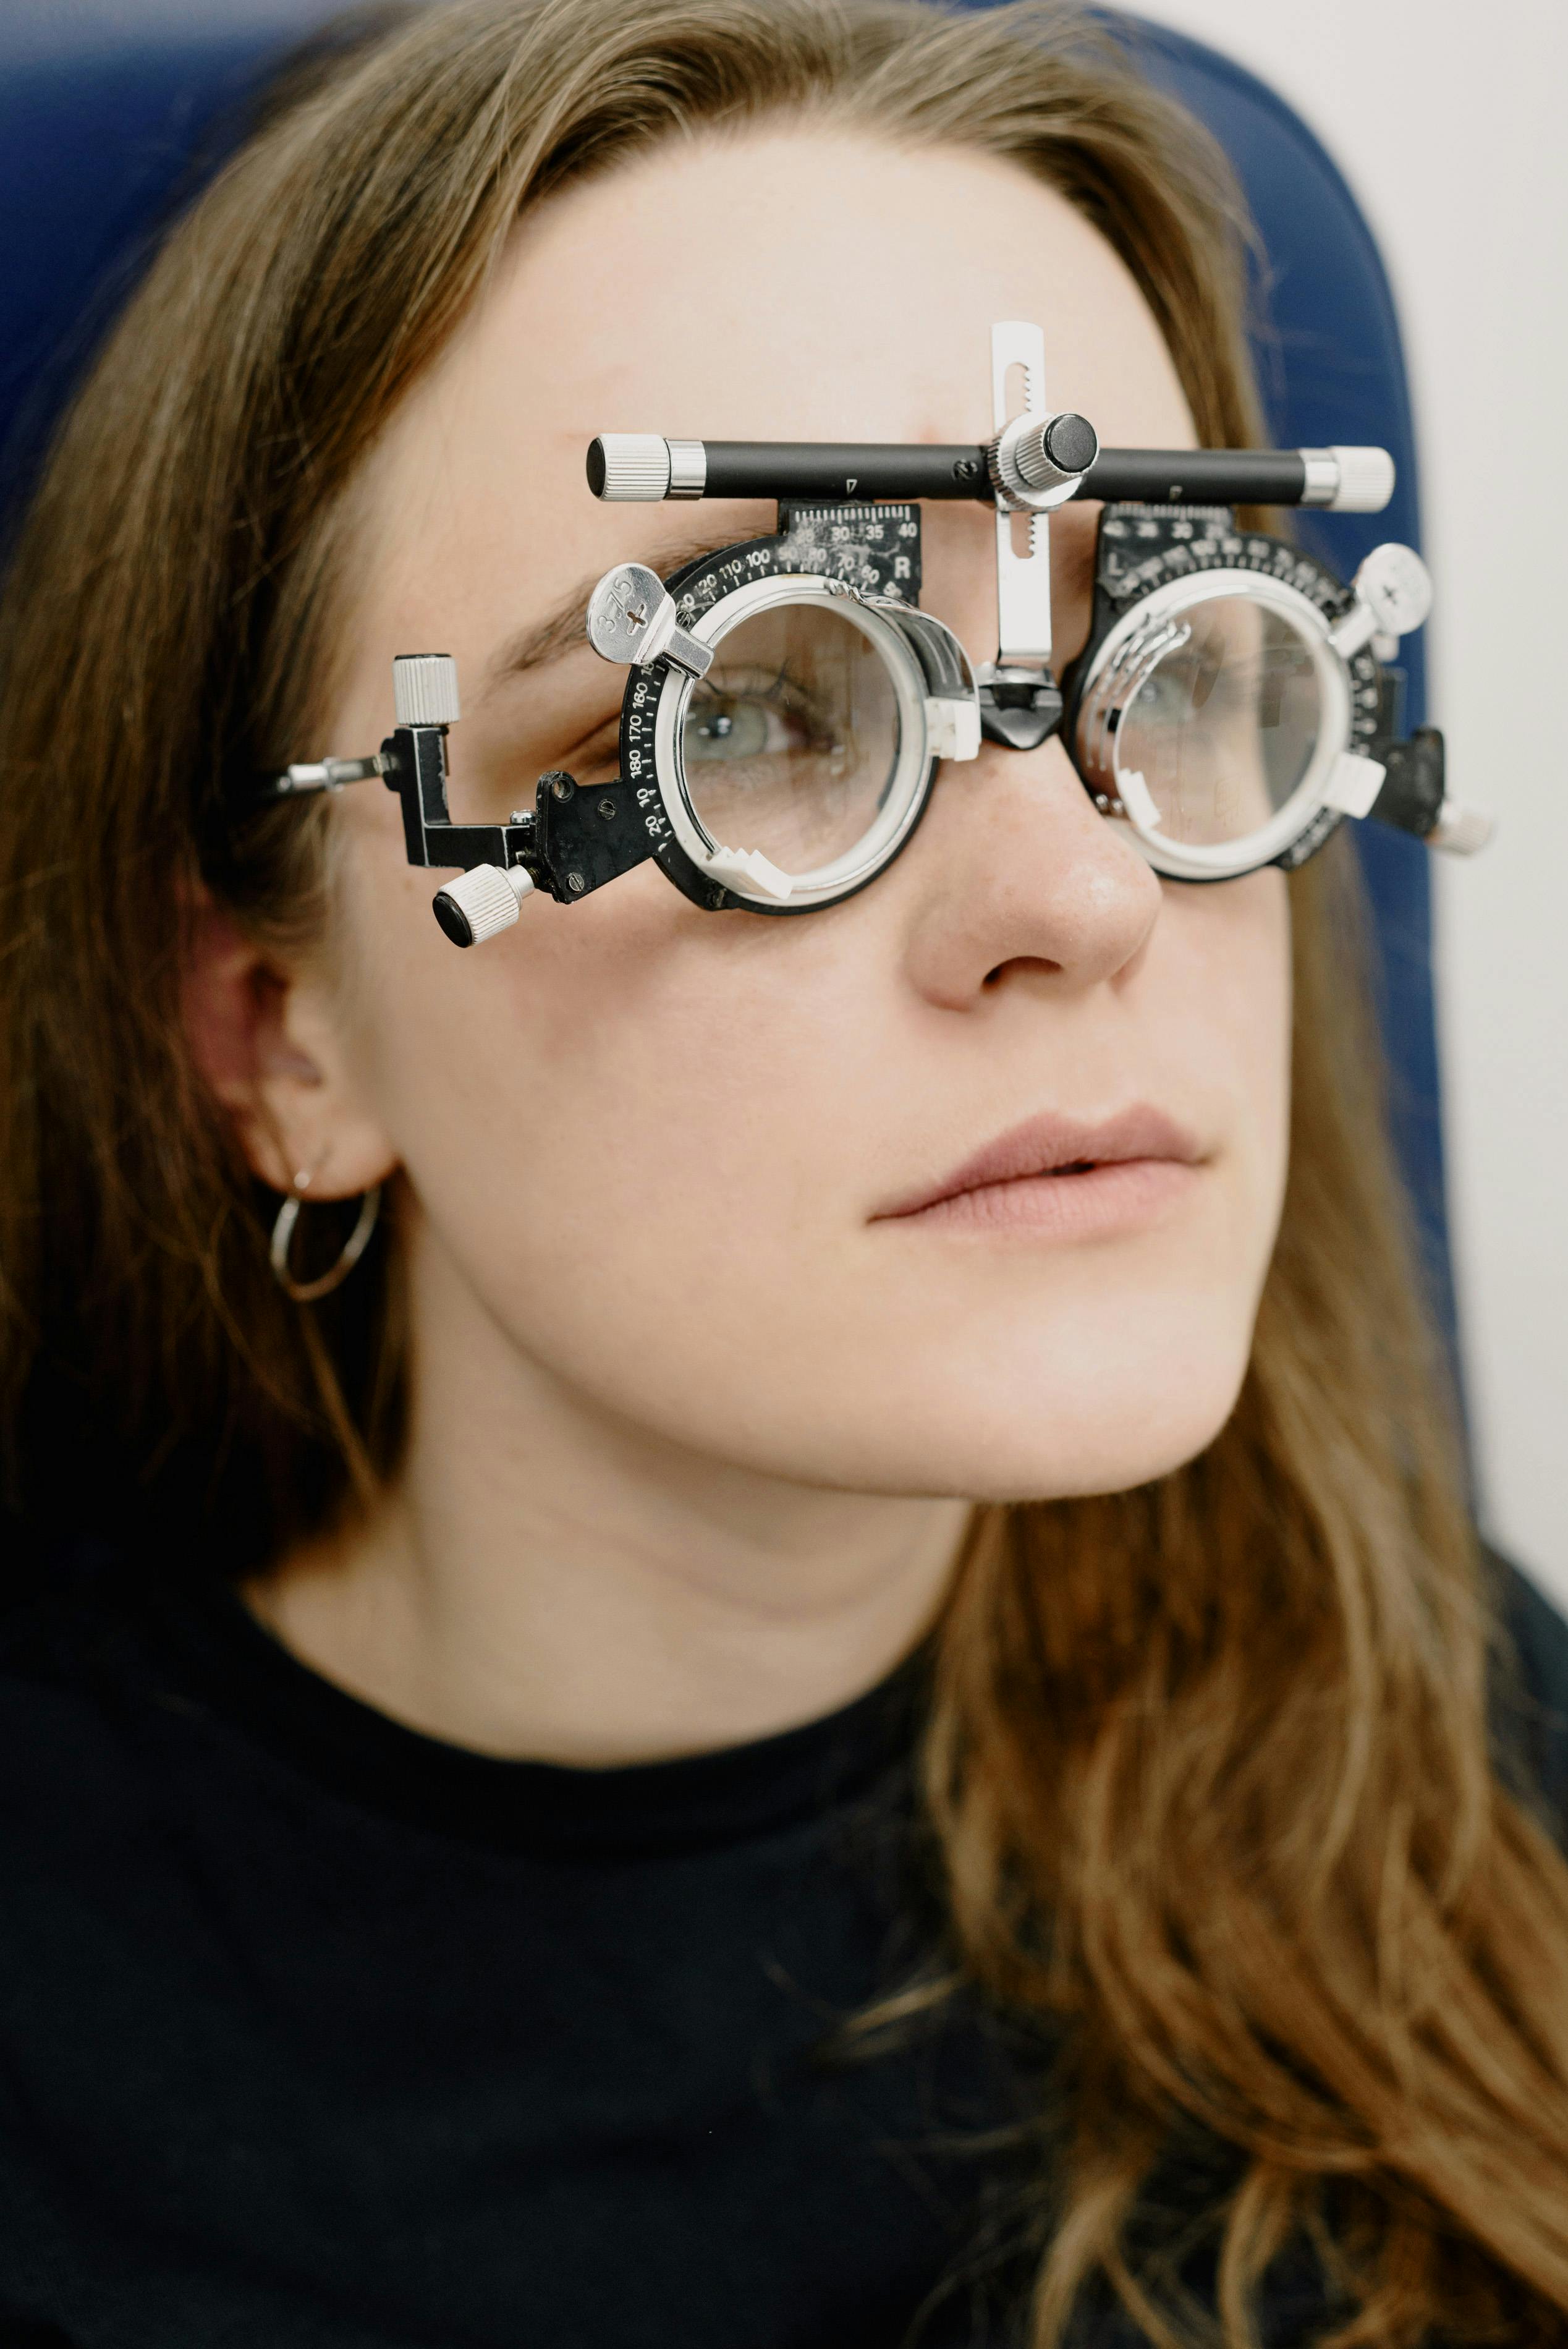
788	703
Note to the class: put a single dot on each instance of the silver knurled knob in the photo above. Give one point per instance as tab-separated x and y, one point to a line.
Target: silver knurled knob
1366	479
425	690
1057	448
1462	831
1348	481
481	903
630	467
1037	462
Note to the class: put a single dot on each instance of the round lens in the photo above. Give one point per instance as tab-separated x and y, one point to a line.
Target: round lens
791	738
1224	725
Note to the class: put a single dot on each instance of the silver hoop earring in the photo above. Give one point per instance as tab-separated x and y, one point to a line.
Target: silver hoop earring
305	1292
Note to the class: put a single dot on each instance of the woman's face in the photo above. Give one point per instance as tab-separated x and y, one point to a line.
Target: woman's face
669	1154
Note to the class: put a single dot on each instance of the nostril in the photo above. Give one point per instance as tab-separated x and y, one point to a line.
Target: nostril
994	978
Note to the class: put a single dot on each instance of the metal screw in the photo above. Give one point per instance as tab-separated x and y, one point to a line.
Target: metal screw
608	810
563	787
576	884
519	815
965	468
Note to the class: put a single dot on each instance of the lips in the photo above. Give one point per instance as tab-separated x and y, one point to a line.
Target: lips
1065	1149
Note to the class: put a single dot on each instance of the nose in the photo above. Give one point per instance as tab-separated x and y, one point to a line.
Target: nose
1014	877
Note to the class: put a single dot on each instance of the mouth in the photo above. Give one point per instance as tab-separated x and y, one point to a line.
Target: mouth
1064	1176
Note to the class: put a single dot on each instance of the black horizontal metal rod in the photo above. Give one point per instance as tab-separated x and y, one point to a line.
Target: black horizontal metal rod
844	469
837	469
1196	477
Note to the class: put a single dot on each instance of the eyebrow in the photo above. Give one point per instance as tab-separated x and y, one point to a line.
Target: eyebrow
564	628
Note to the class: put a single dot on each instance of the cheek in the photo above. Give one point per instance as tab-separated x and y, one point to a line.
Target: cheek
628	1086
1228	950
649	1139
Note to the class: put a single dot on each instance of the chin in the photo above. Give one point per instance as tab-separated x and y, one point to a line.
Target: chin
1036	1422
1086	1458
1011	1462
993	1429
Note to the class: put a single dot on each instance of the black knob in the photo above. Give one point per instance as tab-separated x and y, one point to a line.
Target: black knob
1071	443
452	919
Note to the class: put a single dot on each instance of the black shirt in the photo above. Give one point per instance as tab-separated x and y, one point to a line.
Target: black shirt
320	2033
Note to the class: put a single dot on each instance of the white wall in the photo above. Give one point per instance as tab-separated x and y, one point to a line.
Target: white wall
1449	123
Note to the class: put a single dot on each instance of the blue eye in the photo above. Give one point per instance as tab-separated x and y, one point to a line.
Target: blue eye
1221	731
738	719
788	743
1163	695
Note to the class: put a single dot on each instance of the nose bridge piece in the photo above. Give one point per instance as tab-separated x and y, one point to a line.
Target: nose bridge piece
1025	871
1024	723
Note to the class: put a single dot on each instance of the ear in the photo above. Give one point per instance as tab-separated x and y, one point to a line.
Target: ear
268	1046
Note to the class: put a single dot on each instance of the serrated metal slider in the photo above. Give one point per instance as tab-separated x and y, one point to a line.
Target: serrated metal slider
425	690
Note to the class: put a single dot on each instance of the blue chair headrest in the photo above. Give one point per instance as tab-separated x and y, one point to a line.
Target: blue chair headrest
1331	367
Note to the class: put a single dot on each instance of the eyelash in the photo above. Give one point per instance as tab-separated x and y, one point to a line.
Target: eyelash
601	747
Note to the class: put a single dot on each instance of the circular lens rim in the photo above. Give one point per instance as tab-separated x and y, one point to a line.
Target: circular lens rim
912	769
1226	859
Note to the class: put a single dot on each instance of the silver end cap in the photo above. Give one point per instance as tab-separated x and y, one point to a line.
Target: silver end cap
481	903
1366	481
425	690
630	468
1462	831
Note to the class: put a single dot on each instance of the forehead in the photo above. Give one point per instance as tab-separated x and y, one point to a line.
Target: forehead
792	283
822	284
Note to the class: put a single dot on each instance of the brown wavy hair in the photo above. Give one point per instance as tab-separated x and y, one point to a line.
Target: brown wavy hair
1208	1764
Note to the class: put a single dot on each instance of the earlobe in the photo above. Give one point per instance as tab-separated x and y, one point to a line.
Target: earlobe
268	1053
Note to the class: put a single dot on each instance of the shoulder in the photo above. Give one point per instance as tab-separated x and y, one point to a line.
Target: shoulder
1530	1688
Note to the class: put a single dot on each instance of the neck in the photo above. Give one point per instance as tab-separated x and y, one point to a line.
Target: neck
545	1580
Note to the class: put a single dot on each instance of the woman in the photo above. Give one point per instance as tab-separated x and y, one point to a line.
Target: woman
841	1695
